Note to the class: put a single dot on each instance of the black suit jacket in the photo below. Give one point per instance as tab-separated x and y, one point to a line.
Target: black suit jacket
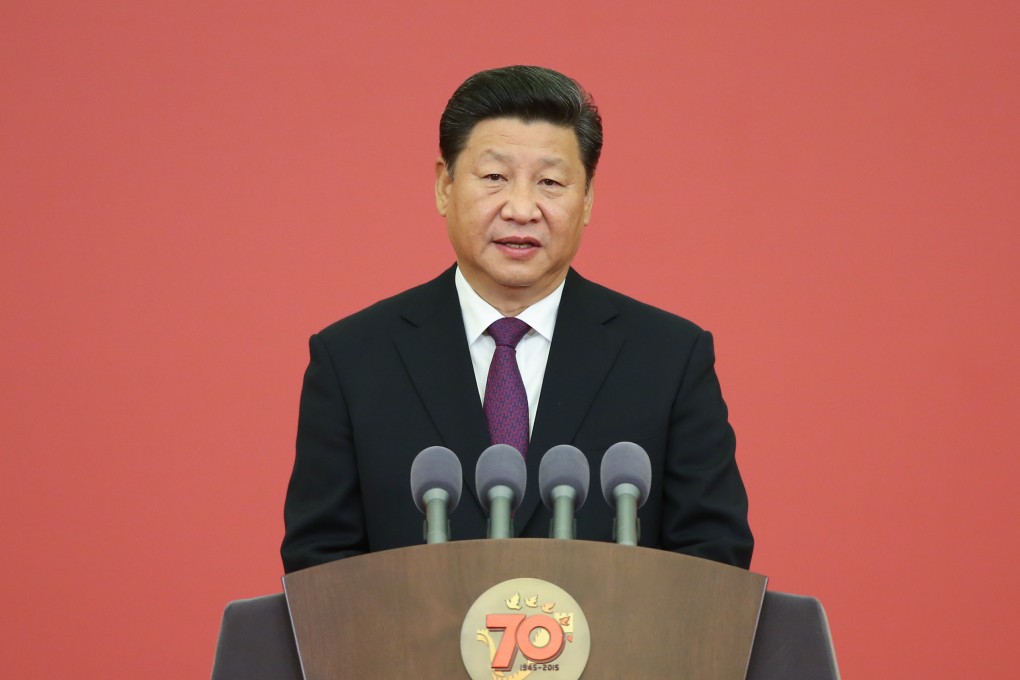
395	378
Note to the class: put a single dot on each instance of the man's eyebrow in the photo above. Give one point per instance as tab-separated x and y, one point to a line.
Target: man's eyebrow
495	155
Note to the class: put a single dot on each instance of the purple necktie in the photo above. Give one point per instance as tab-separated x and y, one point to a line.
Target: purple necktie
506	402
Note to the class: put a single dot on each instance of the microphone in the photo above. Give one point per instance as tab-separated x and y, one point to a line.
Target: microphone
563	479
436	483
501	477
626	475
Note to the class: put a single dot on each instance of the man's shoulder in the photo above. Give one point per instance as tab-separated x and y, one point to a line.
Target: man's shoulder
392	313
623	311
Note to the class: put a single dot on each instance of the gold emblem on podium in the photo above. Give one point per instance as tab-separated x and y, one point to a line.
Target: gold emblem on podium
525	628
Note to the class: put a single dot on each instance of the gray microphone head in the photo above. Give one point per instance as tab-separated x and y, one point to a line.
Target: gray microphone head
436	467
626	463
501	465
563	464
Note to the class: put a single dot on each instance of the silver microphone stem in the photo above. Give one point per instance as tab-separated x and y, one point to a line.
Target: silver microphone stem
437	527
626	513
500	522
563	496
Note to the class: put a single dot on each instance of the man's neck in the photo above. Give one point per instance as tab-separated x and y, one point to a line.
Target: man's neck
511	300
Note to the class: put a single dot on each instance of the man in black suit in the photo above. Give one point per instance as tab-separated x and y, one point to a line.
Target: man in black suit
519	150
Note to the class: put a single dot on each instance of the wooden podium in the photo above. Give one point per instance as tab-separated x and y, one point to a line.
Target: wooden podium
398	613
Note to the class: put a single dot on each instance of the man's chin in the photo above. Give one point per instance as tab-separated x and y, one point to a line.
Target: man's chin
516	284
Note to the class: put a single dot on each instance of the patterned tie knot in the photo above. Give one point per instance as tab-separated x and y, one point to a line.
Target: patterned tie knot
508	331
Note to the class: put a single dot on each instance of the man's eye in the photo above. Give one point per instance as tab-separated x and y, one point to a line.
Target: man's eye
549	183
493	177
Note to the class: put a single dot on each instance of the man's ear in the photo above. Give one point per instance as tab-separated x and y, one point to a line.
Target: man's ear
589	198
443	182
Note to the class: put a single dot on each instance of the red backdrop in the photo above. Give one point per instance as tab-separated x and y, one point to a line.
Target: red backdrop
192	188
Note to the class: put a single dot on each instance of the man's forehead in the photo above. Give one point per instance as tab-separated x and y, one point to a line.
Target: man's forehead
503	157
501	139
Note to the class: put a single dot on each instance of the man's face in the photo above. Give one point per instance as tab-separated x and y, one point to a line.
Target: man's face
515	209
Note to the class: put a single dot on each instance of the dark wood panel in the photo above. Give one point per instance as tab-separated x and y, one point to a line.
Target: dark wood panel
398	613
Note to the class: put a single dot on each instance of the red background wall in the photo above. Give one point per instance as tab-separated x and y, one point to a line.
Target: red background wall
189	189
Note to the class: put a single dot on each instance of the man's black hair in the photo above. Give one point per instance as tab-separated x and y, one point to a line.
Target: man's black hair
530	93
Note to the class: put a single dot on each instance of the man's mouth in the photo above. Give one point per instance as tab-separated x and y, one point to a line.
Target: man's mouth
518	243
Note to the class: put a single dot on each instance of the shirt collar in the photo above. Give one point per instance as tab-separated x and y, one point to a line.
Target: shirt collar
479	314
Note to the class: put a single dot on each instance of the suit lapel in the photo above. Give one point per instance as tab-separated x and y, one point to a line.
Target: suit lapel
582	352
435	353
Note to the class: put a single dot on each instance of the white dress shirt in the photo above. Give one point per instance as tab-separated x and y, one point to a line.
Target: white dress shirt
532	350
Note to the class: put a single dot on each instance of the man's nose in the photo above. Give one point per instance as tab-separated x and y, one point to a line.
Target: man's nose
521	204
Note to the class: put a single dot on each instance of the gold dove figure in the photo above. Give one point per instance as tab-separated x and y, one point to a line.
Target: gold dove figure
532	601
514	602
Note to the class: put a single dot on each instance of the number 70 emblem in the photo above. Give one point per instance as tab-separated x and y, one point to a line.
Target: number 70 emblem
519	616
517	630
